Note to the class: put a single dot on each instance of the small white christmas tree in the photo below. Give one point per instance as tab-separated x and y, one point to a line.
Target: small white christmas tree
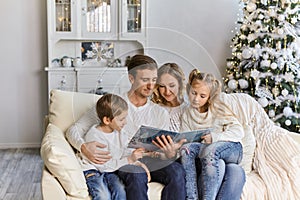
265	59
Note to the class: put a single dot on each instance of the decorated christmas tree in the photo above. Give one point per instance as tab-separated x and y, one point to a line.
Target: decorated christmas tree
265	59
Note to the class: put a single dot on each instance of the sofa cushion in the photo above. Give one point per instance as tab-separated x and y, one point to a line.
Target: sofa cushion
60	160
67	107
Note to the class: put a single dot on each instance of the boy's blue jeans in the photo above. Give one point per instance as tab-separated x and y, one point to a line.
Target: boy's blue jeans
104	186
219	176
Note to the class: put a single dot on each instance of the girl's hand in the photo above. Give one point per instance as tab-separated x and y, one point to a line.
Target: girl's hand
207	138
166	144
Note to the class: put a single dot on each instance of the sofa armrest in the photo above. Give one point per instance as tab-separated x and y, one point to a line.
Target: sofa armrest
46	122
51	188
59	158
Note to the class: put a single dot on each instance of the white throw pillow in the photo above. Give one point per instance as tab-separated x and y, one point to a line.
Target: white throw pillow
67	107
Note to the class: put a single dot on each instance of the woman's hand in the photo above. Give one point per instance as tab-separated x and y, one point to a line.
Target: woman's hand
92	152
166	144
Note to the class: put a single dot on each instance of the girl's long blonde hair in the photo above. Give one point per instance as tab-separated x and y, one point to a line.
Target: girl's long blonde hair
215	104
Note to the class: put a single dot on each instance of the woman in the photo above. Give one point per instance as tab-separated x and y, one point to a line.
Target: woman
169	93
221	145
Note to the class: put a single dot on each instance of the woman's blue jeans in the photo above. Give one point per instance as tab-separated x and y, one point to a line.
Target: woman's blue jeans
104	186
219	176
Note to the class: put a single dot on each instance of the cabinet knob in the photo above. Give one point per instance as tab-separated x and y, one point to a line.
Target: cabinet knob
99	80
83	9
64	81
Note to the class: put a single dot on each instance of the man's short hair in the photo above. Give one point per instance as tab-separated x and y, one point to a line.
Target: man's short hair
140	62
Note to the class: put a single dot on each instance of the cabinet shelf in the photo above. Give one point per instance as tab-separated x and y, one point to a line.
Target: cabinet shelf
62	4
133	5
59	69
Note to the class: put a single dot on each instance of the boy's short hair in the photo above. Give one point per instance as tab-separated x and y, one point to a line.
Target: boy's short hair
140	62
110	105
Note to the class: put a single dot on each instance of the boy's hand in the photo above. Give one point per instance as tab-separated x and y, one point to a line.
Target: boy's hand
152	154
136	154
92	152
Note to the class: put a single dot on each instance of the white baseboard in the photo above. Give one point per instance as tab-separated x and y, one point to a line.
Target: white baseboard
19	145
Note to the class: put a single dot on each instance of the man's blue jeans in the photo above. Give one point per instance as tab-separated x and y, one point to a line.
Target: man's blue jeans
169	173
104	186
215	160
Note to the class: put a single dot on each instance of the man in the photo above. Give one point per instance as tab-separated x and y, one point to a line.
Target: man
142	73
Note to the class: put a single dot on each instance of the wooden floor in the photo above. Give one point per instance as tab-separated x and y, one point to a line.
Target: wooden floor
20	174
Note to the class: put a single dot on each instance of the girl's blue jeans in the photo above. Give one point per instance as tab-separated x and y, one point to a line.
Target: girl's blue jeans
104	186
219	176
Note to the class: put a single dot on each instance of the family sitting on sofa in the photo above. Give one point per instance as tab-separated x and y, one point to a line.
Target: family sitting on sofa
241	157
211	169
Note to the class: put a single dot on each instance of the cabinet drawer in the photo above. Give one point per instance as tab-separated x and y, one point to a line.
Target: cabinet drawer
110	89
62	80
107	78
111	80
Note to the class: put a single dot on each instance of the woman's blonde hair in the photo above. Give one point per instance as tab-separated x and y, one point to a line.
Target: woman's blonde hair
215	88
174	70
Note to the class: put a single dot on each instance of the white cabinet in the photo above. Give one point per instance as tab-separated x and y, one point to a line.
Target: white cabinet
97	19
74	26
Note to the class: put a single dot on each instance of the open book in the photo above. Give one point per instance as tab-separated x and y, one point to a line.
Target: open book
146	134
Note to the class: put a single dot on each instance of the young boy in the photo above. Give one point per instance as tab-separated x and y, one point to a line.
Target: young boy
101	180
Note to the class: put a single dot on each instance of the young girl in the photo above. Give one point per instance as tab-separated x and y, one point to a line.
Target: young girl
206	110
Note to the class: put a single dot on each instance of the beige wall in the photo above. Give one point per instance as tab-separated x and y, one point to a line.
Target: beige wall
192	33
23	82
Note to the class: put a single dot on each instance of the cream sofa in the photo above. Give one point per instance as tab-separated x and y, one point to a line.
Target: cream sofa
62	177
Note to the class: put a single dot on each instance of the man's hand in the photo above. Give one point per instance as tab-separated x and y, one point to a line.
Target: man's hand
167	145
91	151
